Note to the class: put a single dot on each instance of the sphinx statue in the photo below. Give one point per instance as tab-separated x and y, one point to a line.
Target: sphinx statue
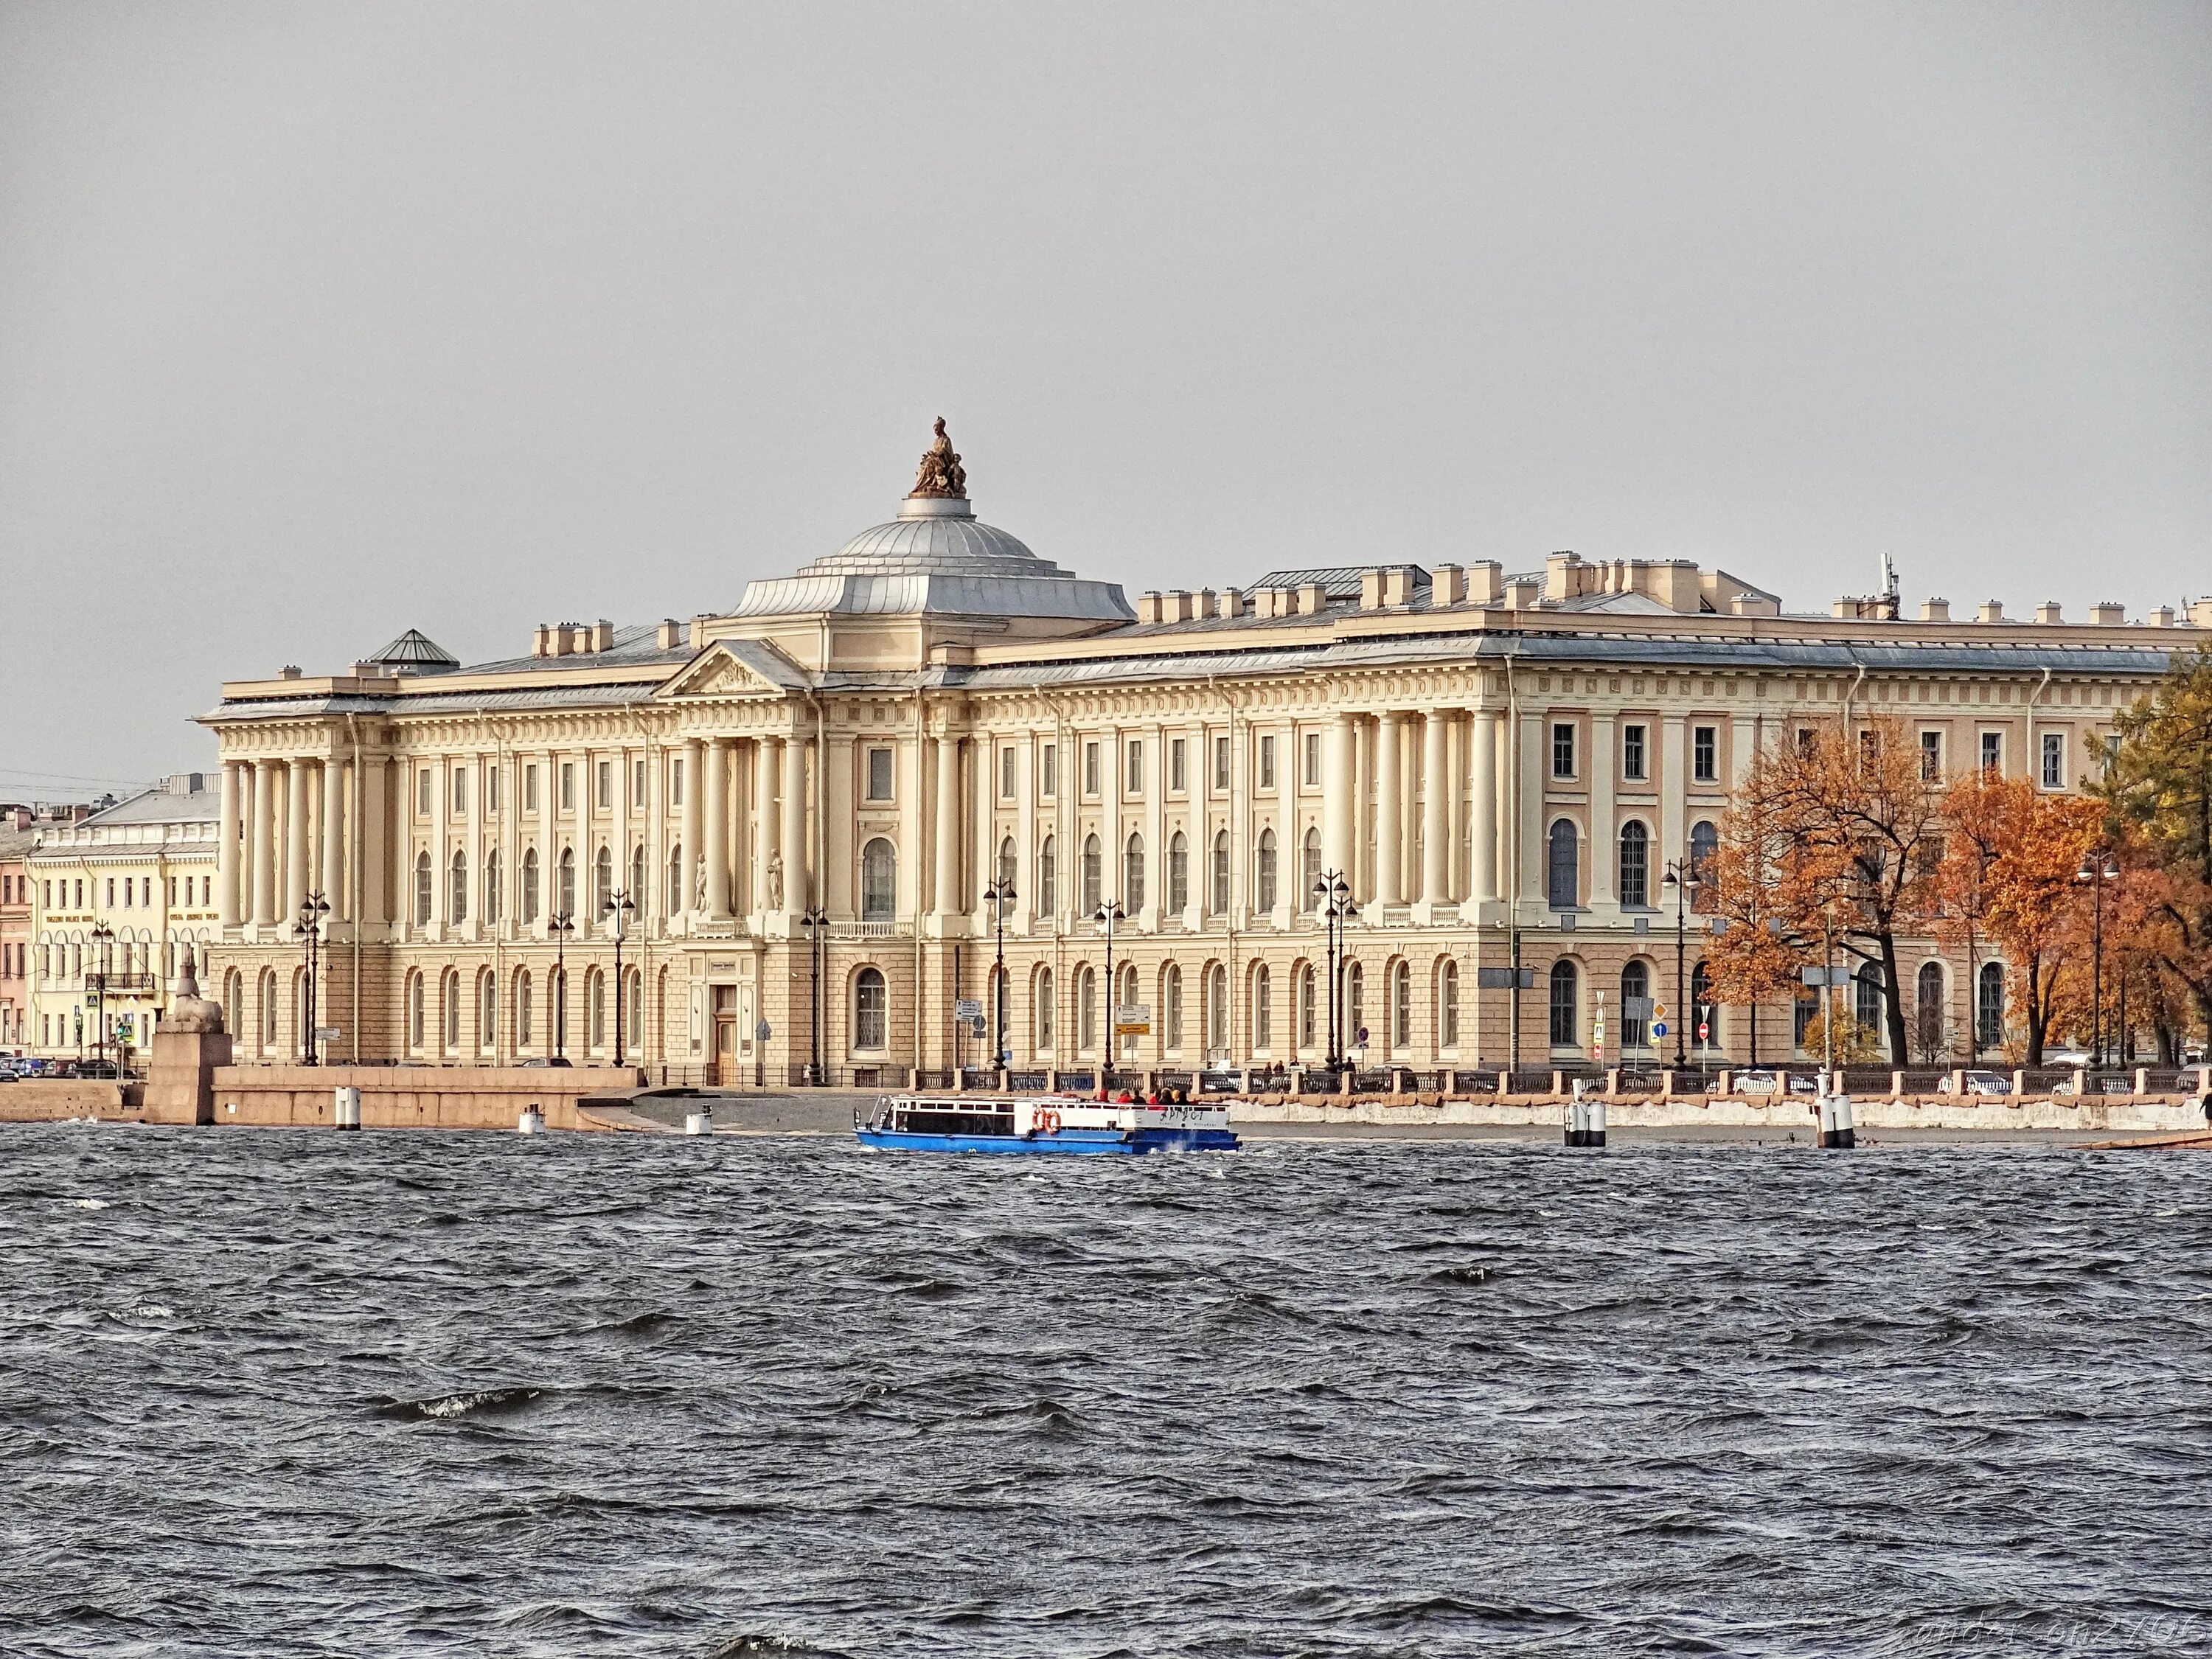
188	1010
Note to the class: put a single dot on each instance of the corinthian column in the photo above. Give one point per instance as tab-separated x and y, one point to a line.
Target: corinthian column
684	901
295	837
798	893
717	847
337	810
264	842
226	851
1389	818
1340	798
1483	877
1438	792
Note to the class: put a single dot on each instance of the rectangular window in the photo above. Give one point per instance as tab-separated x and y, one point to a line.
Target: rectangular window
675	781
1132	781
568	785
1993	751
146	891
1006	772
530	788
2054	760
111	892
880	774
460	791
637	784
1931	756
126	891
422	792
1631	752
1221	765
1705	754
1091	769
1805	742
1312	760
491	789
1266	762
1562	750
606	784
1051	770
1179	765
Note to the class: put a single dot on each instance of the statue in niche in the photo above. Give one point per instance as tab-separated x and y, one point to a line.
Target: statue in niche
775	881
940	475
699	888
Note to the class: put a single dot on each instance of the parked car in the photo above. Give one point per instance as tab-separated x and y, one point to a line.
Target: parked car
545	1061
1976	1082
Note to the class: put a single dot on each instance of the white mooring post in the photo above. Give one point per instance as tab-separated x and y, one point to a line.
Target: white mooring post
1596	1123
532	1121
701	1122
348	1113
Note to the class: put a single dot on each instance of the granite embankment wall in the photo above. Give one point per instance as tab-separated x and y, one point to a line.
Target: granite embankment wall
391	1097
2121	1114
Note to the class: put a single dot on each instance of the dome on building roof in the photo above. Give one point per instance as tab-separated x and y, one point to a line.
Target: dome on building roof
416	652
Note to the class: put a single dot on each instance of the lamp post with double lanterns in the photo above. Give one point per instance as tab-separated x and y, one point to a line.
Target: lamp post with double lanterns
1106	915
561	924
998	895
1681	880
103	936
816	920
620	906
308	930
1337	909
2099	867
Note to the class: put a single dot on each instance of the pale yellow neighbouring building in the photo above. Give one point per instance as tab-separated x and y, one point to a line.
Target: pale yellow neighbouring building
114	897
826	778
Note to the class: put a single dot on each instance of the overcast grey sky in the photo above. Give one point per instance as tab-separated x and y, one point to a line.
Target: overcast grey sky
321	321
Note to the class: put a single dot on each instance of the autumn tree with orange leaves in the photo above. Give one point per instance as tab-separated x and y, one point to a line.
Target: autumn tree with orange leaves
1749	960
1834	836
2010	860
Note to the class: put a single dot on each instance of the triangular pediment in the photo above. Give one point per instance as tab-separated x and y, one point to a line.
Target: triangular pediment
735	668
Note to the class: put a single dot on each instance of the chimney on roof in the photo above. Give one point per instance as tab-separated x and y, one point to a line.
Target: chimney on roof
1232	603
541	644
2160	615
672	634
2049	612
1311	599
1486	582
1936	611
1447	585
699	634
1991	610
2108	615
2200	613
603	636
1148	606
291	671
1522	592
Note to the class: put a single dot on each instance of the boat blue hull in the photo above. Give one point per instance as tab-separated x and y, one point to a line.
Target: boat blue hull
1112	1143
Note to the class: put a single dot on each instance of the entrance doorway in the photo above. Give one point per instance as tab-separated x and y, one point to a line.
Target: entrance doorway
722	1066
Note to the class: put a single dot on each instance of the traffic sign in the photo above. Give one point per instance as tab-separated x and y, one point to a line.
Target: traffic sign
967	1008
1132	1028
1704	1030
1133	1013
1658	1028
1658	1011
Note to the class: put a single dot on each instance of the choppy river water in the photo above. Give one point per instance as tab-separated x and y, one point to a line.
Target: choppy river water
276	1393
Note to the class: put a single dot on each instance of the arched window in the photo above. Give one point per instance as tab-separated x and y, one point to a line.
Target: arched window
1220	906
1127	994
487	1011
1401	1006
1086	1010
1563	878
1989	1015
1866	999
1178	873
1048	894
456	903
529	886
1564	999
565	898
234	1000
634	1010
1265	899
1043	1007
421	889
1447	1004
271	1031
299	1010
1309	877
1309	1003
491	886
1263	1009
1355	1005
637	877
878	882
603	880
870	1011
1006	865
1217	1012
1173	996
1635	864
595	1009
1928	1007
1092	894
449	1010
524	1036
415	1011
1636	1006
672	895
1133	876
1705	841
1701	1011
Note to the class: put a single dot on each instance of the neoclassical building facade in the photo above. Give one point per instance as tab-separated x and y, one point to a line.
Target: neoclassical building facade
811	826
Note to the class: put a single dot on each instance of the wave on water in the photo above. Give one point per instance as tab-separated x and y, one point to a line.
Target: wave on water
482	1402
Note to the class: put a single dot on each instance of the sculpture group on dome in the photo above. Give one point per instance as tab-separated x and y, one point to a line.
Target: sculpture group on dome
940	476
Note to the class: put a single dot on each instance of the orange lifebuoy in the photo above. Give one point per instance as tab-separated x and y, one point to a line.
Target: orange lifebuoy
1048	1122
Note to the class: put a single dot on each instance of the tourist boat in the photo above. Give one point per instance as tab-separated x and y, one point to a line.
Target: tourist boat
1040	1123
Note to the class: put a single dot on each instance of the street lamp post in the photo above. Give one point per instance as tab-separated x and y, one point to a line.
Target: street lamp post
1336	909
1106	915
816	920
2099	867
1681	880
102	935
998	895
621	906
561	925
308	930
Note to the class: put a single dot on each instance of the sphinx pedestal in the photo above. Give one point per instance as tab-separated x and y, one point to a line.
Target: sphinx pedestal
180	1076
